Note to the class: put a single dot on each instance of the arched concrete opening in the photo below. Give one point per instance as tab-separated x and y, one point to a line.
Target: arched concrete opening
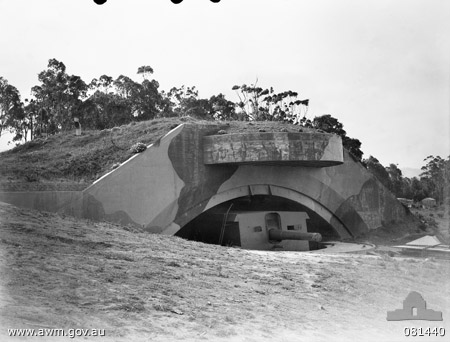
207	227
221	209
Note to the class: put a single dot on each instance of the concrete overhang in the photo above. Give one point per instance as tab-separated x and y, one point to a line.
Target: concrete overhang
277	148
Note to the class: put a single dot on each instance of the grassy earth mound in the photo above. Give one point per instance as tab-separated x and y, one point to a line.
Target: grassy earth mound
68	162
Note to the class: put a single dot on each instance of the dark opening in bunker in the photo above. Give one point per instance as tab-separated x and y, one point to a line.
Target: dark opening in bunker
243	222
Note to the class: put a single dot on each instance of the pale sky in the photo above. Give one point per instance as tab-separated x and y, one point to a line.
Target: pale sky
382	67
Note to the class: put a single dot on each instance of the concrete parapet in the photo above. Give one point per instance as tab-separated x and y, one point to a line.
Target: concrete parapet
278	148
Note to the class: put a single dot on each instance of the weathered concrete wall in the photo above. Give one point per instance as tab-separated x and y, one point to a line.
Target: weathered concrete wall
67	202
302	149
168	185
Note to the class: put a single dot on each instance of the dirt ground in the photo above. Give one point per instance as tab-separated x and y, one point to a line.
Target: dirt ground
61	272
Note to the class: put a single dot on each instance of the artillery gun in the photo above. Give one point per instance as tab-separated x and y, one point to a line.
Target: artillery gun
278	235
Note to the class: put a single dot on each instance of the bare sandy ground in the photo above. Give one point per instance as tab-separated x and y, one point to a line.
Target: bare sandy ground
59	272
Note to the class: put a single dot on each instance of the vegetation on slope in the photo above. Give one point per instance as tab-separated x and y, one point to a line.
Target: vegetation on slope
65	161
67	158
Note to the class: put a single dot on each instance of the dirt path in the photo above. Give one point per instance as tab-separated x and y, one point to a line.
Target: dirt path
65	273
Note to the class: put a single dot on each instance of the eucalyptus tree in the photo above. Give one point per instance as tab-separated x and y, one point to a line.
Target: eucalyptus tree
103	84
264	104
10	105
378	170
180	101
59	95
436	176
143	98
396	178
105	107
145	70
221	108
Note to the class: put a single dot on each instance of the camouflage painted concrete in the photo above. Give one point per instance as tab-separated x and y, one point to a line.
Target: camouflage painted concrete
294	149
190	171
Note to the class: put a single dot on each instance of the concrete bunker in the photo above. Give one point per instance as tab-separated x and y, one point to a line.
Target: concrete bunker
261	222
193	172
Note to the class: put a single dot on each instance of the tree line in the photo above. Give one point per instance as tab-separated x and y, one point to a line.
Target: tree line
434	181
102	103
105	102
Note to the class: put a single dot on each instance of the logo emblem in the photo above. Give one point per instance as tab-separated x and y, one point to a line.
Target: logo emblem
414	308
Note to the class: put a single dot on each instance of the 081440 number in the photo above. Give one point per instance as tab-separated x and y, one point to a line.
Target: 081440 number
412	331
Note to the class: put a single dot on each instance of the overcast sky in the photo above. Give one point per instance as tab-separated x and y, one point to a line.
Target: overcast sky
381	67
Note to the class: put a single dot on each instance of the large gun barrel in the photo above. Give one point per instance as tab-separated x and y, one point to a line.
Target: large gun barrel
279	235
